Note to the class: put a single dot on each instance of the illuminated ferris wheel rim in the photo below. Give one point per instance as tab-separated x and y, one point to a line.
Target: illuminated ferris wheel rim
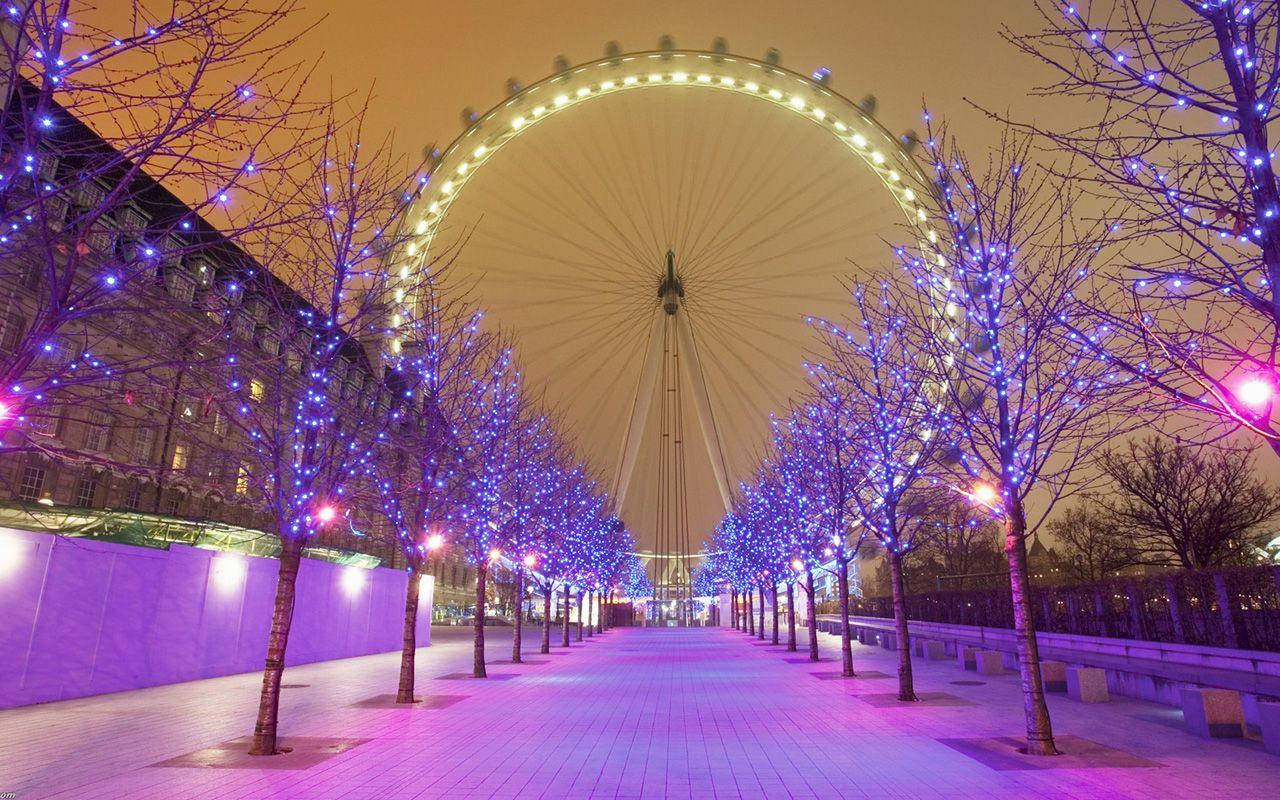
861	134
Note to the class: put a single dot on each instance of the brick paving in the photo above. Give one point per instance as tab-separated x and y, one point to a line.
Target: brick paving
632	714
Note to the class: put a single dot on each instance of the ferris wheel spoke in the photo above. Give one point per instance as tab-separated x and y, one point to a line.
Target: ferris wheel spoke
604	248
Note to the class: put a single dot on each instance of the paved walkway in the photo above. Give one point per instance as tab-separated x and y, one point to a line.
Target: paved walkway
633	713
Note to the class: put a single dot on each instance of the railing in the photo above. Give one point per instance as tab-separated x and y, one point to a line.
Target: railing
1237	608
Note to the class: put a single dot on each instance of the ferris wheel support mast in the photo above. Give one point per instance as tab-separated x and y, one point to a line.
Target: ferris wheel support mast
633	434
671	294
702	404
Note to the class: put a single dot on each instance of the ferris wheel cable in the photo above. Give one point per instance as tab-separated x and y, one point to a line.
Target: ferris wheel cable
730	375
608	179
596	336
605	253
538	192
524	250
734	248
708	239
742	199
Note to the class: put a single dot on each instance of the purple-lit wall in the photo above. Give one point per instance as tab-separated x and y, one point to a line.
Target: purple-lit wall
81	617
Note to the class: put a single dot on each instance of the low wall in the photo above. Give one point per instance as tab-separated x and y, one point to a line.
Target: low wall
82	617
1147	670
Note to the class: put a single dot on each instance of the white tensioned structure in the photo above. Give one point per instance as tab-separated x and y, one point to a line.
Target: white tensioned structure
866	139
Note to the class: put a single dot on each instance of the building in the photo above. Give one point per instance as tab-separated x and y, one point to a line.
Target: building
140	456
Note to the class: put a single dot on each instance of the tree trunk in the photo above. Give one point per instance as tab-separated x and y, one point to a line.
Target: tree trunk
733	608
775	612
515	634
906	684
546	619
760	589
791	617
846	647
1039	729
564	633
751	615
580	596
404	694
264	730
482	571
591	616
812	614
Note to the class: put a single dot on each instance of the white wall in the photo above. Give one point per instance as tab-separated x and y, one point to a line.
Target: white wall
81	617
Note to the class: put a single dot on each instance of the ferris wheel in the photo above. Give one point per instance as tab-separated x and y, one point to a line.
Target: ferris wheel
655	227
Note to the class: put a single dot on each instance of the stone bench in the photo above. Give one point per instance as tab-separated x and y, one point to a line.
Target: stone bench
1213	713
967	657
989	662
935	651
1269	722
1054	676
888	640
1087	684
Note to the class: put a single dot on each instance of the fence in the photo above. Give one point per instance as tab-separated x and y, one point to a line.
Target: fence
1237	608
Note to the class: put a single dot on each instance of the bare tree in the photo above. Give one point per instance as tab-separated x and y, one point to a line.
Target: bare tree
419	472
1179	99
1094	545
301	362
102	264
896	427
1031	402
1194	507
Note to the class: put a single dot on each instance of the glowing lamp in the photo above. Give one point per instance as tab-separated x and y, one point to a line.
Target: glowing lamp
11	548
984	493
1255	392
228	572
435	541
530	561
4	410
495	554
797	565
326	513
353	580
827	552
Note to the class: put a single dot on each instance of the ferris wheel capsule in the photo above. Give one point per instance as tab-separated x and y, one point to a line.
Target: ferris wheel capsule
469	117
868	104
666	44
773	57
612	50
514	87
910	140
560	64
720	46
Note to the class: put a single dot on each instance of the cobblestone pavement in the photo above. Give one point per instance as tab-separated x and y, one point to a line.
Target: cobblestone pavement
632	713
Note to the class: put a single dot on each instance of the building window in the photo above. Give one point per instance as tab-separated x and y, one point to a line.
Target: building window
256	389
171	504
143	440
219	424
12	326
86	490
96	432
242	479
181	456
133	498
32	483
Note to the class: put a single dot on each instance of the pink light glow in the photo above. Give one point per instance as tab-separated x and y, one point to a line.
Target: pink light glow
435	541
326	513
1255	391
530	560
